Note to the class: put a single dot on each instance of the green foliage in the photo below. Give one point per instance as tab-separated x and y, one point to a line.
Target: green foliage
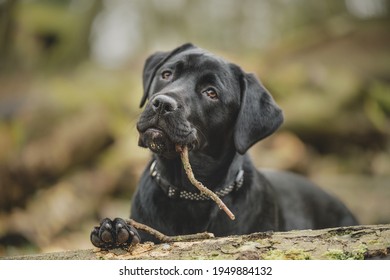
50	35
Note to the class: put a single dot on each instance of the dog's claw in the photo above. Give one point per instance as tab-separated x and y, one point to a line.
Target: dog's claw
113	234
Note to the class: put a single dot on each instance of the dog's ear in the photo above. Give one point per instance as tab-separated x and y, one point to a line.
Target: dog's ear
153	63
259	115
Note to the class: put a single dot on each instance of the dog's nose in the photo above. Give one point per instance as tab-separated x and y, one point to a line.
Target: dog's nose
164	104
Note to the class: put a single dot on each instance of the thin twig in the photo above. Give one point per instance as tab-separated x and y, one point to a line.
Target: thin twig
165	238
190	174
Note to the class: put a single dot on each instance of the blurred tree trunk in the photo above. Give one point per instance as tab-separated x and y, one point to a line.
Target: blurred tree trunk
85	30
7	9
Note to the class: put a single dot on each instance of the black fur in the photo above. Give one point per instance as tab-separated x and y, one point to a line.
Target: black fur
219	111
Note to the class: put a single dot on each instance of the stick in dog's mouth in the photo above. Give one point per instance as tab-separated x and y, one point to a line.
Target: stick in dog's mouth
183	151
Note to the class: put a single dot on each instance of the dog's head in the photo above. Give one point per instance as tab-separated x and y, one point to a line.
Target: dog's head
202	101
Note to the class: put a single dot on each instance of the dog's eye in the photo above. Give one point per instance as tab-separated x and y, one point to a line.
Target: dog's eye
211	93
166	75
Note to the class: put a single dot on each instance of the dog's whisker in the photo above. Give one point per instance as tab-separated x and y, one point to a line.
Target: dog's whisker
199	134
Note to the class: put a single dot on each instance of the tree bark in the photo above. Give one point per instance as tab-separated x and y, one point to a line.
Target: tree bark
358	242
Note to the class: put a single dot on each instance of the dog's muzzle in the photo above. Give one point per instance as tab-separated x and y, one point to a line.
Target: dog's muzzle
163	125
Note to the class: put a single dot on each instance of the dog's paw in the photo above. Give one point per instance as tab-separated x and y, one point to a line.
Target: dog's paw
114	234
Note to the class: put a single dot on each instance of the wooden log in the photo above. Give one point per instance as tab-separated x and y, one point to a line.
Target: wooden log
358	242
75	142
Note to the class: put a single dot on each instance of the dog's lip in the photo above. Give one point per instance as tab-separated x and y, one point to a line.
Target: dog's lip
156	140
146	128
160	140
152	128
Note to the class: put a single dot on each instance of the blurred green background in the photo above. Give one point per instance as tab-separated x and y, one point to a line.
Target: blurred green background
70	85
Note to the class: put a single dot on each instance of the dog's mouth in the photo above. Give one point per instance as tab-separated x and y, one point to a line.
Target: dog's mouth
156	140
160	143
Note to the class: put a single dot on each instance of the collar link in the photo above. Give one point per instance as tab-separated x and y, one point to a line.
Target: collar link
173	192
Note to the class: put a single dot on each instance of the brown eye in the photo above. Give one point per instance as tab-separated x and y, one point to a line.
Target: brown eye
211	93
166	75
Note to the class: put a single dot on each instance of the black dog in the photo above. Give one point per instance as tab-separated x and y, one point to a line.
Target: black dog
219	111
